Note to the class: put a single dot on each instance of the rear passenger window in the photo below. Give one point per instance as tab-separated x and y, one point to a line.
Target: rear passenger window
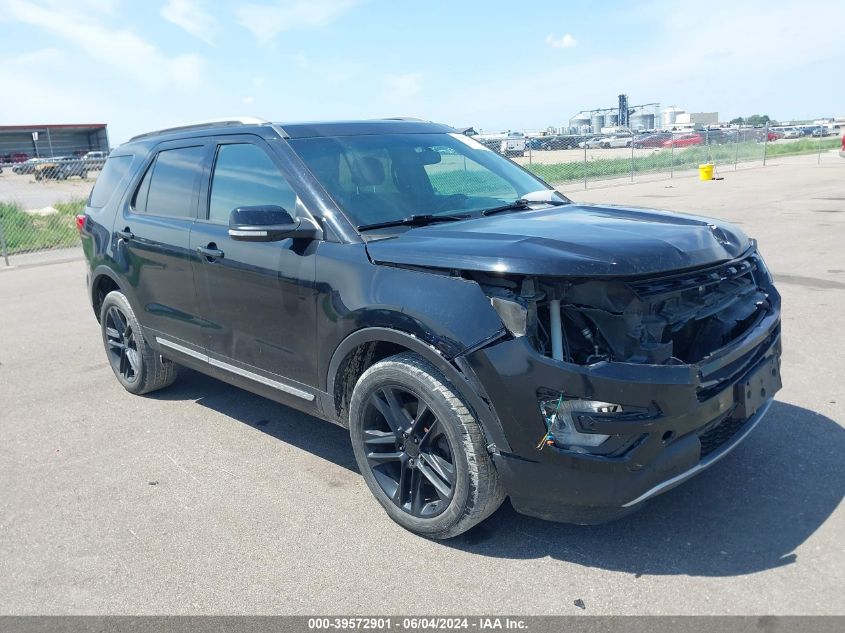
244	176
113	172
170	184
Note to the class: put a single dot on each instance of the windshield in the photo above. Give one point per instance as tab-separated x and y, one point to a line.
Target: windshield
386	177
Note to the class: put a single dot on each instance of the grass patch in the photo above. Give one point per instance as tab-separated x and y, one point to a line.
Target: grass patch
665	160
26	232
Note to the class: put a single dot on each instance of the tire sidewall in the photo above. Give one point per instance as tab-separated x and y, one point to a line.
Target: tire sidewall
396	373
120	301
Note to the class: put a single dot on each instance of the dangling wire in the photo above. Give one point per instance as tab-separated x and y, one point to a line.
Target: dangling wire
548	438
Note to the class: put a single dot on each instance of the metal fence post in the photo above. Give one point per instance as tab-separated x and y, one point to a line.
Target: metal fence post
671	154
739	134
632	158
585	163
3	246
765	142
529	143
819	159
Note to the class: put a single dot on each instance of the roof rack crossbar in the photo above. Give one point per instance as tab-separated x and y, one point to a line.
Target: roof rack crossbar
201	125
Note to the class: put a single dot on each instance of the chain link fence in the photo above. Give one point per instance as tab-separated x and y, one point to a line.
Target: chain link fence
593	159
40	197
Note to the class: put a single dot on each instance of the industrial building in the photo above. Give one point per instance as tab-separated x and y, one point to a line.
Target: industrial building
646	116
36	141
696	119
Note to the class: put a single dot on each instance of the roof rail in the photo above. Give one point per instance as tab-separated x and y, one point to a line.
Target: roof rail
400	118
201	125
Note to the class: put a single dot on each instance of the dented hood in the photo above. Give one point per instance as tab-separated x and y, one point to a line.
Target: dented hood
571	240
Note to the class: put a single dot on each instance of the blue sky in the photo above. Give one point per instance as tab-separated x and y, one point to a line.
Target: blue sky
138	65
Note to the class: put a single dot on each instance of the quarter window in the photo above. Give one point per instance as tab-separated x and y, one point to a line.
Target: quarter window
244	176
113	172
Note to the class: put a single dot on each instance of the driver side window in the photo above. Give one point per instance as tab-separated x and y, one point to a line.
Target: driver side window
245	176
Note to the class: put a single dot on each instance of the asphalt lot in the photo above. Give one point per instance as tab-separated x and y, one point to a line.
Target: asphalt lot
205	499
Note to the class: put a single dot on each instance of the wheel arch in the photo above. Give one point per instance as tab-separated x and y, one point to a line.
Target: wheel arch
103	281
365	347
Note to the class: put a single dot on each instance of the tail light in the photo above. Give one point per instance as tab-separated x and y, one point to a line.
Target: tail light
80	222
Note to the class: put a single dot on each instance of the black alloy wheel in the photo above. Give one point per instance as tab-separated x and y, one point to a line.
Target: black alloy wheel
420	449
122	345
138	367
408	451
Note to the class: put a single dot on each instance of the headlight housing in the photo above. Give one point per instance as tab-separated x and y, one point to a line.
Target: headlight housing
558	414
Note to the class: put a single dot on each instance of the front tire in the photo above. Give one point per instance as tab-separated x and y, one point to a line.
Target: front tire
135	364
420	450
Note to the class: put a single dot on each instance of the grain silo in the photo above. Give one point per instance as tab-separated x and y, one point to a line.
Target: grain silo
669	116
580	123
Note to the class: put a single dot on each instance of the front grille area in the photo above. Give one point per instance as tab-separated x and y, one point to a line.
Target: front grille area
701	281
719	434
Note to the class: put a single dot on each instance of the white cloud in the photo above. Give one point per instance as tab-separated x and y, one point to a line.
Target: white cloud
567	41
266	21
247	100
402	87
190	16
119	48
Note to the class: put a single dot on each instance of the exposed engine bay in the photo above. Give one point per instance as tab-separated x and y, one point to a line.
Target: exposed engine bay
670	319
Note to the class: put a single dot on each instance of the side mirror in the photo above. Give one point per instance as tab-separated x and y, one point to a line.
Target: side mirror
270	223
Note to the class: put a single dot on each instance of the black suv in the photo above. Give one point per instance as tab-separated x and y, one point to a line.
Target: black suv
479	334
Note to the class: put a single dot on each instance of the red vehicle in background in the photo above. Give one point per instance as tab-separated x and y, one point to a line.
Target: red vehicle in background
773	136
684	140
842	150
17	157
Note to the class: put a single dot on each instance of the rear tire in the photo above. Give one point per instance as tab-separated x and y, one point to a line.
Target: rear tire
135	364
420	449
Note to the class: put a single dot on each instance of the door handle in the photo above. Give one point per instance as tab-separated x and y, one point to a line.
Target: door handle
125	234
210	251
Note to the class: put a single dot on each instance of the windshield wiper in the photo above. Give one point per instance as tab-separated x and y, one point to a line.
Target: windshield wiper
521	204
420	219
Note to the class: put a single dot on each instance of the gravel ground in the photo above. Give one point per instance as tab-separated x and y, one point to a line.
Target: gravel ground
206	499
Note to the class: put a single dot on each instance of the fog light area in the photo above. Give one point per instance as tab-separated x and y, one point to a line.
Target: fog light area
558	414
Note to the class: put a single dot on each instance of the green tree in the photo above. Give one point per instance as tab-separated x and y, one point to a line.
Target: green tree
758	119
737	121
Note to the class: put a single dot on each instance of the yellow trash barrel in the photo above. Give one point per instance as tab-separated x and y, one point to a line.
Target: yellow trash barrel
705	172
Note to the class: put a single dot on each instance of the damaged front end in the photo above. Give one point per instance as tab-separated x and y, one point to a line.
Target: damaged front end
633	382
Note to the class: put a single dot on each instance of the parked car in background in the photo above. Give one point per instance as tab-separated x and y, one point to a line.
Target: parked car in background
607	142
95	159
27	166
684	140
555	141
61	168
774	135
717	136
655	140
791	132
544	143
15	157
842	149
505	143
